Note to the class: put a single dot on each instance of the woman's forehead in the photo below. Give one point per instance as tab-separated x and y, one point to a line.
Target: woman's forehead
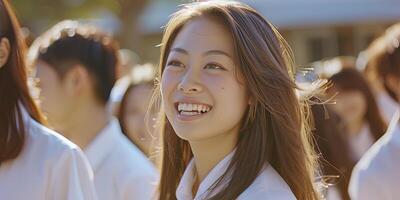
204	34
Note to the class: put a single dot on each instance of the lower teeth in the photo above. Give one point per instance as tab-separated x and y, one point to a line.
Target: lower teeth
190	113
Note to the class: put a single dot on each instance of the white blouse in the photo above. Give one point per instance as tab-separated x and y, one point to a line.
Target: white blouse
49	167
387	105
121	170
377	175
268	185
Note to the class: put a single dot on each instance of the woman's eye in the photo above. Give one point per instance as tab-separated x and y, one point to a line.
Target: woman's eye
214	66
175	63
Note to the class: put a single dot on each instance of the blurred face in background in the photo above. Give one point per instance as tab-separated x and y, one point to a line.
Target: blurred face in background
350	105
134	118
55	99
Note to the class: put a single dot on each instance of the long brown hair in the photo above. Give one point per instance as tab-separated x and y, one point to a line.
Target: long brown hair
13	88
349	79
275	128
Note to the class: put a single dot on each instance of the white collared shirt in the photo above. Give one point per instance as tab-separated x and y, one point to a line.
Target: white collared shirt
121	170
268	185
49	167
387	105
377	175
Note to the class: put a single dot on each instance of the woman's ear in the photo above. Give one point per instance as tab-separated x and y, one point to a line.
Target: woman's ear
76	80
4	51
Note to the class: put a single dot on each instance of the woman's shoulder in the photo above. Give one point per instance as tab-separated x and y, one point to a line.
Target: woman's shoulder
47	141
46	152
268	185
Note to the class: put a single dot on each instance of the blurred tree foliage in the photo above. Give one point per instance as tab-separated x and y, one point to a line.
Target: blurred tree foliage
45	13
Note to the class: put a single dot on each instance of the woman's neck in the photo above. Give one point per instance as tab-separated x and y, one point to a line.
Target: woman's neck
209	152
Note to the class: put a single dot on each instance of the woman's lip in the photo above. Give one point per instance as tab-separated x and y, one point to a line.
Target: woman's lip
191	102
188	118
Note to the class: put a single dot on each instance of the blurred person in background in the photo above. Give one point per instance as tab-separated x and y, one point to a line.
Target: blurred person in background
76	66
35	162
377	175
356	104
375	71
134	106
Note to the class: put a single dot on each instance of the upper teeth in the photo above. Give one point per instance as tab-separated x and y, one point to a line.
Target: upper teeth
193	107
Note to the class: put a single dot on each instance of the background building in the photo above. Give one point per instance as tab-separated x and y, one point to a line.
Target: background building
316	29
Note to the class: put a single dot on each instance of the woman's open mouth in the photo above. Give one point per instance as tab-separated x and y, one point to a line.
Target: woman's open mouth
192	109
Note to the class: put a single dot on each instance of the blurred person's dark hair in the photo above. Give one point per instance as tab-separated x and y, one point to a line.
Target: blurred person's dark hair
140	75
70	43
349	79
14	91
384	58
329	133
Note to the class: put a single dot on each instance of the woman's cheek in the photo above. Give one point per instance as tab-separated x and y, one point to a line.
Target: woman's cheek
214	82
167	82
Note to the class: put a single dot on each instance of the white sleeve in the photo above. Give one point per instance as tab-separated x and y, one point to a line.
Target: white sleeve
71	178
365	186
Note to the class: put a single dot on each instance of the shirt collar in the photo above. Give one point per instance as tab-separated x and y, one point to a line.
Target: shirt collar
100	148
26	118
394	128
184	189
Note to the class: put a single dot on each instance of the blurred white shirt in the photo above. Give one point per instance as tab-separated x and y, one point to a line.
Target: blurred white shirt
49	167
121	170
268	185
377	175
387	105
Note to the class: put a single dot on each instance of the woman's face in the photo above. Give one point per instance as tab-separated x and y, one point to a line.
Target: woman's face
134	119
350	105
201	92
52	94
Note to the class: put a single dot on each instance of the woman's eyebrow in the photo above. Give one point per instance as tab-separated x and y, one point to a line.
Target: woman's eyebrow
210	52
218	52
180	50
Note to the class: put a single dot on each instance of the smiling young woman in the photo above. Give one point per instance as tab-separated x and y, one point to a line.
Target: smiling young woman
232	124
